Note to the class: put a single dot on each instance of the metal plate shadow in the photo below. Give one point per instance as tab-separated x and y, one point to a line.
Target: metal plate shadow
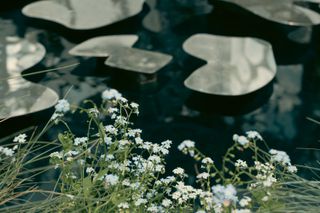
226	105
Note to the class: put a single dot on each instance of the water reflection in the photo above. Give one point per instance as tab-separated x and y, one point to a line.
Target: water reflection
158	20
18	96
236	66
84	14
284	11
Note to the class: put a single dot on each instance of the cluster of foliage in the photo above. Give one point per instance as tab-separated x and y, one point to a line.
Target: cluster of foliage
110	168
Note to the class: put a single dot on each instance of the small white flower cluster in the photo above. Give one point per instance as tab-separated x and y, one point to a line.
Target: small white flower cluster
111	180
203	175
184	193
6	151
245	140
265	175
282	158
118	160
240	164
225	195
80	141
20	138
187	147
110	94
62	107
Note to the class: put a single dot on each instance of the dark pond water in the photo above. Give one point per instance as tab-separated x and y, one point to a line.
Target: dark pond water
168	109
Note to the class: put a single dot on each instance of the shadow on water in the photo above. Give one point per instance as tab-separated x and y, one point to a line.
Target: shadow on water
230	105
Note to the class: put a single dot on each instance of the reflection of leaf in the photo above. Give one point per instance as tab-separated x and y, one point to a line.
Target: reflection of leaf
236	66
281	11
103	46
19	96
137	60
84	14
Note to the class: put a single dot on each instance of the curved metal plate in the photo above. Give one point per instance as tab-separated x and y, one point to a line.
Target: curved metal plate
284	12
84	14
236	66
17	95
137	60
103	46
22	54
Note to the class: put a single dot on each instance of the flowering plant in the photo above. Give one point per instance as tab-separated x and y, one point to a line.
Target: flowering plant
110	168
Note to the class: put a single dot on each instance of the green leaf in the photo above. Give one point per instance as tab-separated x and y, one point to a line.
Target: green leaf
87	185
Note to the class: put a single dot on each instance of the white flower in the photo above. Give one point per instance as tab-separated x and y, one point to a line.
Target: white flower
108	140
166	203
90	170
166	144
292	169
62	106
254	135
245	201
140	201
111	94
241	164
110	157
203	175
187	147
79	141
200	211
241	140
224	194
265	198
56	154
269	181
135	107
207	160
124	205
134	132
124	142
20	138
178	171
280	157
138	140
186	144
111	179
155	209
6	151
111	129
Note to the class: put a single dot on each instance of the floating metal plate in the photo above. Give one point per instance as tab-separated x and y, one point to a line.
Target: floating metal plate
103	46
137	60
84	14
281	11
236	66
17	95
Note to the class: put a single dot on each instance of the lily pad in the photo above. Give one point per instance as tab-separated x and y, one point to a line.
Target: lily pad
236	66
84	14
136	60
17	95
284	12
103	46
